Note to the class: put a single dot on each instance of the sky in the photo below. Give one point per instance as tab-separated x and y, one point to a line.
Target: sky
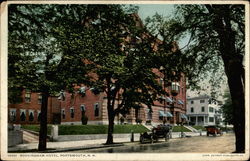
165	10
150	9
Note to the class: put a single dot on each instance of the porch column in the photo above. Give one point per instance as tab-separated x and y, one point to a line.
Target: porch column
196	120
204	120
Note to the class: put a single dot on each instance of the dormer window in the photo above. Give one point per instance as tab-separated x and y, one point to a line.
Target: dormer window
61	95
27	96
175	88
82	91
39	98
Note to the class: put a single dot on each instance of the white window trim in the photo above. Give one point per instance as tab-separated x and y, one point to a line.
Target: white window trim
22	110
12	110
31	111
72	108
84	107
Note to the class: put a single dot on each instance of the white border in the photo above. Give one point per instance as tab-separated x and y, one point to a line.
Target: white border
117	156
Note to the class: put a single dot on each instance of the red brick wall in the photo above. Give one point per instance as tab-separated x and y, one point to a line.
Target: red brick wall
76	101
35	106
55	106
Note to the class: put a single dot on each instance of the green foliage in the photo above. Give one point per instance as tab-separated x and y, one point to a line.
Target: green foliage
199	128
180	129
36	57
36	128
98	129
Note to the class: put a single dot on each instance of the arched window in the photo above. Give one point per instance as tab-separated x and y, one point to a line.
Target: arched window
22	115
82	107
72	112
96	109
63	114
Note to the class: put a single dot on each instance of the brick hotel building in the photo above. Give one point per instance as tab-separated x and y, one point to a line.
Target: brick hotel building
68	110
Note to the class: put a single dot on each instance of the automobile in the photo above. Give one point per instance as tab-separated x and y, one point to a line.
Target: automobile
214	130
147	137
160	131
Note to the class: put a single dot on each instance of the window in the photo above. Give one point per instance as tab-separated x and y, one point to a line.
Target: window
149	114
82	107
12	114
160	117
161	113
31	115
192	109
63	114
82	91
22	115
39	98
202	109
38	116
175	86
72	112
211	119
96	108
27	96
161	82
192	102
202	101
211	109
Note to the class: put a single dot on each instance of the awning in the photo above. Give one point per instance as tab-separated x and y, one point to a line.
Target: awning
163	98
183	116
169	114
161	113
180	102
169	100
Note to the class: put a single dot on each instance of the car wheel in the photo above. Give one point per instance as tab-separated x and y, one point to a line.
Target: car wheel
156	138
152	139
142	139
166	137
207	134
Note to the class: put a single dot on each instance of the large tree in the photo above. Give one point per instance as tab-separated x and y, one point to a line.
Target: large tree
216	38
37	60
119	54
122	59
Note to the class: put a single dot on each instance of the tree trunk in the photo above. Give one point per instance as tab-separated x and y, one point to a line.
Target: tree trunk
43	122
235	75
233	69
111	118
236	87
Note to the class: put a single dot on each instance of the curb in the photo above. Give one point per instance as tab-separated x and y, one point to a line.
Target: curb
84	148
69	149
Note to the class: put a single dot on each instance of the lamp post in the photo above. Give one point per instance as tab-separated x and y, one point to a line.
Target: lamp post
174	92
162	69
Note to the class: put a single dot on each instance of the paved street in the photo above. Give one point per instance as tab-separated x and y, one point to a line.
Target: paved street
219	144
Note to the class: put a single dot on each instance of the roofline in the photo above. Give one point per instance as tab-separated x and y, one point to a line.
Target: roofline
198	97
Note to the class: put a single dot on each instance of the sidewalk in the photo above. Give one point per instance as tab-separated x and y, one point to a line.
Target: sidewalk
84	144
